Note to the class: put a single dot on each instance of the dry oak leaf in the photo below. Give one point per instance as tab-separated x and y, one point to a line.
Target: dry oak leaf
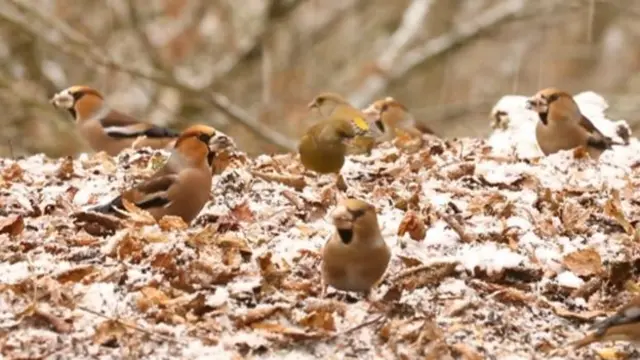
574	217
75	275
59	324
256	314
150	296
129	246
170	222
466	352
289	332
242	212
12	225
319	320
413	224
585	262
13	173
612	354
136	215
613	208
109	333
65	171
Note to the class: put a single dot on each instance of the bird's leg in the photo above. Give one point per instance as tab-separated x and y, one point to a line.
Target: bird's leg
341	184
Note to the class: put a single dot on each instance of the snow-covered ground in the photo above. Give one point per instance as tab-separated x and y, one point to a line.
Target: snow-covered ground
518	255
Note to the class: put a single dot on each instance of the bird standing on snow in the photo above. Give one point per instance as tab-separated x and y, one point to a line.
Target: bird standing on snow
356	257
563	127
181	187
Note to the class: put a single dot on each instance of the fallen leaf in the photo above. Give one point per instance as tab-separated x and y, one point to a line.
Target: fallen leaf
585	262
136	214
466	352
414	225
129	247
12	225
290	332
75	275
242	212
319	320
170	222
611	354
109	333
613	208
65	170
296	182
257	314
151	296
97	224
13	173
233	241
574	217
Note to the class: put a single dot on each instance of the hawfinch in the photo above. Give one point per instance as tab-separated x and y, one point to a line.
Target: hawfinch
562	126
181	187
356	257
390	115
108	130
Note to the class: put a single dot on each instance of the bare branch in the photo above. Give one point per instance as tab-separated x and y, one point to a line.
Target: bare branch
412	21
84	49
491	18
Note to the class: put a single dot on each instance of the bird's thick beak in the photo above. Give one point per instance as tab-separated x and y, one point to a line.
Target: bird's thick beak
531	104
312	105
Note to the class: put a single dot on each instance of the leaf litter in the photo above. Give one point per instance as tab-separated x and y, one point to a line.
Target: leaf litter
495	256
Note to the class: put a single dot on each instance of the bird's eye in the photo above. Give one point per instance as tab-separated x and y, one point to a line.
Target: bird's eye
204	138
343	134
356	213
77	95
552	98
384	107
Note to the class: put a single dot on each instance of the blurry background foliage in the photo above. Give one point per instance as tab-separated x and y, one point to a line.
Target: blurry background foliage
250	67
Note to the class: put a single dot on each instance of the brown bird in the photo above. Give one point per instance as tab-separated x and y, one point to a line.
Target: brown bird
356	257
624	325
390	116
181	187
563	127
108	130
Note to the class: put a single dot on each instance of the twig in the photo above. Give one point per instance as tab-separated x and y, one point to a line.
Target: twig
361	325
131	326
412	21
456	226
460	34
416	269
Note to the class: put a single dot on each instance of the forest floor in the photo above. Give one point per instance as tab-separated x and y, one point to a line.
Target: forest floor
494	257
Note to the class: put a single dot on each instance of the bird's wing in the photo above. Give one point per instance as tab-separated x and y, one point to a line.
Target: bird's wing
151	193
586	124
119	125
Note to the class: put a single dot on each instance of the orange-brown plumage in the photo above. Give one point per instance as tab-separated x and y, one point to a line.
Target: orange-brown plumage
356	257
109	130
562	126
181	187
390	116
